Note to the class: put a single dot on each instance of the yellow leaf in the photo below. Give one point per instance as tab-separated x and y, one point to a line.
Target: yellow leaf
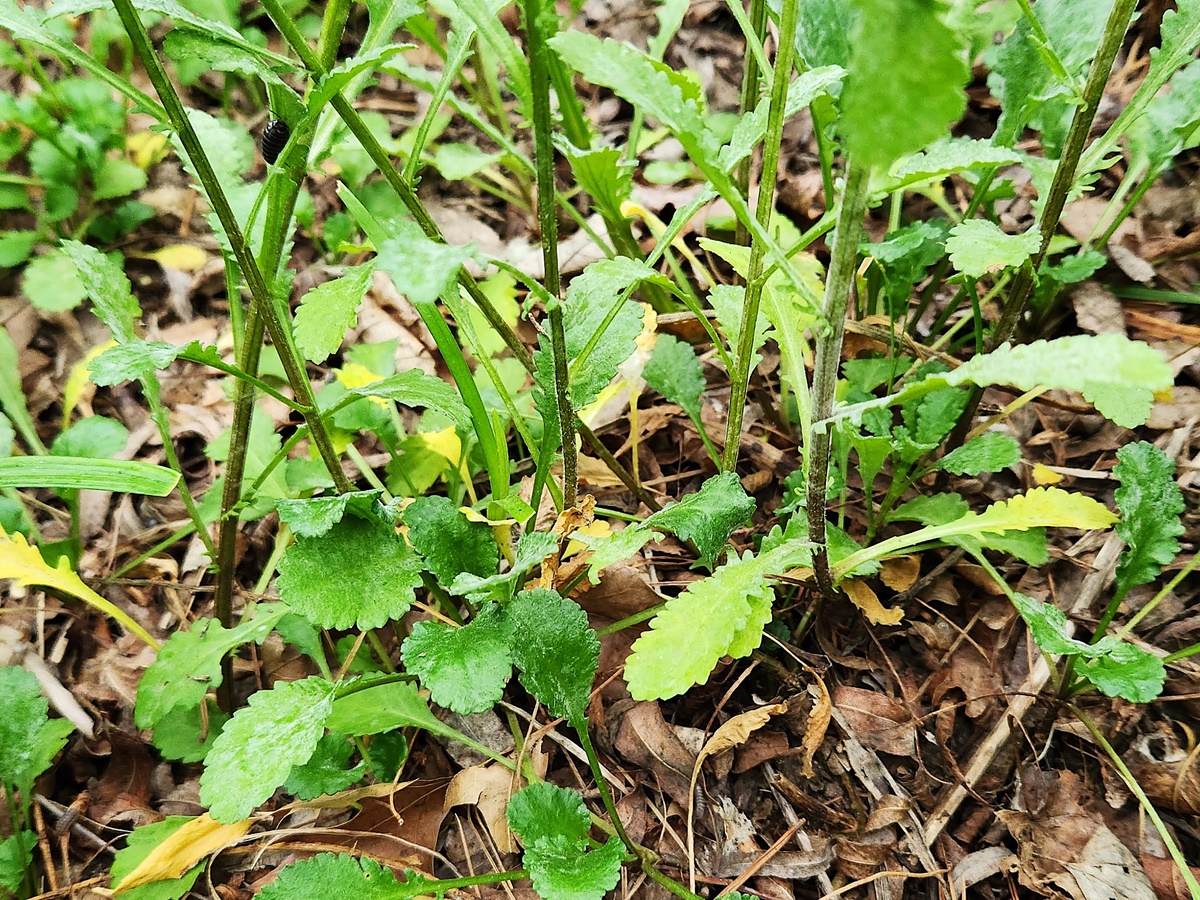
444	443
864	598
146	147
1043	475
193	842
1047	507
354	375
77	381
181	257
24	563
598	528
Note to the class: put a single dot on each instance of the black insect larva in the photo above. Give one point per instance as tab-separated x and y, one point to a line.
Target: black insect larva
275	137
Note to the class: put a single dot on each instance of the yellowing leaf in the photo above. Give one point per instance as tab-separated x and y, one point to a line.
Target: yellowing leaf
24	563
444	443
182	850
1047	507
78	382
598	528
1043	475
355	375
864	598
146	148
181	257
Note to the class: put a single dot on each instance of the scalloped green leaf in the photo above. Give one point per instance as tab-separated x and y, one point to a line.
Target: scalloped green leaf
1122	388
380	708
710	618
709	516
29	739
553	824
1150	504
108	287
327	771
421	269
978	247
328	311
555	651
314	516
449	542
532	548
189	664
255	753
990	452
465	668
419	389
358	574
329	875
675	371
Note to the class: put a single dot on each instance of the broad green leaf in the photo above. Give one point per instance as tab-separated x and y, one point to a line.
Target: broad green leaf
590	300
562	870
1033	81
457	162
555	651
1127	671
707	618
117	178
140	843
1121	389
85	474
823	32
989	452
335	875
189	664
1117	668
614	548
328	311
130	362
421	269
29	739
674	371
978	247
553	824
415	388
532	548
465	668
905	83
262	742
1150	504
946	158
327	771
187	733
51	283
313	517
16	856
104	281
448	541
358	574
94	437
709	516
381	708
217	56
1171	122
17	246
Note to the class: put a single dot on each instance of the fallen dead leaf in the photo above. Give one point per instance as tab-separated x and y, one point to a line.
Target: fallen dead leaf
197	839
901	572
878	721
865	599
488	788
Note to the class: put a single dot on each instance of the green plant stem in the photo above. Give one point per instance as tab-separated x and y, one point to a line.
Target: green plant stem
585	741
1056	198
538	18
749	96
1068	164
1136	789
739	380
448	884
838	282
1154	601
333	26
668	883
262	313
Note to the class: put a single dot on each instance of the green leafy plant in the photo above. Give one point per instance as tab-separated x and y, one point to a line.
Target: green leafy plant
29	741
444	527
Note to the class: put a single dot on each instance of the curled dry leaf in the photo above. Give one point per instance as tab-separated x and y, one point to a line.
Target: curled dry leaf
901	572
865	599
182	850
488	788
